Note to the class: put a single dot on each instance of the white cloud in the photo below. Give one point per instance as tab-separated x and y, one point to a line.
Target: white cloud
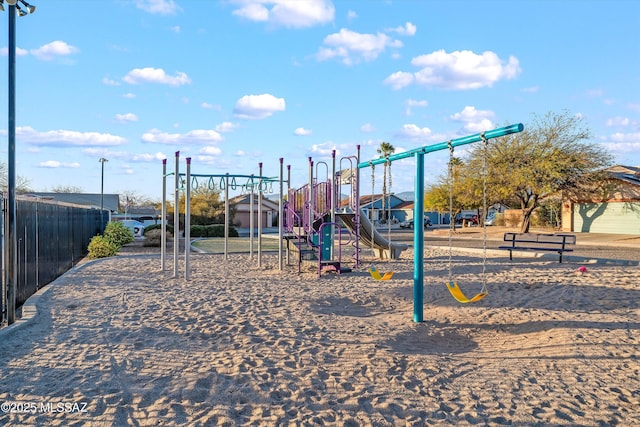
145	157
258	106
67	138
414	133
198	136
302	132
54	49
54	164
210	150
155	75
459	70
408	29
175	28
351	15
410	103
532	89
159	7
399	79
474	121
126	118
129	95
367	127
287	13
323	150
619	122
622	142
352	47
109	82
208	106
4	51
226	127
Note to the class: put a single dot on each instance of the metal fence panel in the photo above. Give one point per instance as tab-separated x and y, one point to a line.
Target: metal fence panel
51	238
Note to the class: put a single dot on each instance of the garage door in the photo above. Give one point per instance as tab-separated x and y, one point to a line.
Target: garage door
613	218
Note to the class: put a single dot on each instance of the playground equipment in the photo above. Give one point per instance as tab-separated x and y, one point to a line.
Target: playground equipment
310	220
373	271
453	287
418	234
311	213
222	182
378	276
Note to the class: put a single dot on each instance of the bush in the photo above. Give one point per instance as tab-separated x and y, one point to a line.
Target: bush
100	247
153	238
216	230
158	227
118	233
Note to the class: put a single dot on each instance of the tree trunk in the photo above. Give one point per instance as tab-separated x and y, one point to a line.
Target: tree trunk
526	219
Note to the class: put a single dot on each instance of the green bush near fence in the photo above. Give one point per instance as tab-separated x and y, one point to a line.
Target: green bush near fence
101	247
117	233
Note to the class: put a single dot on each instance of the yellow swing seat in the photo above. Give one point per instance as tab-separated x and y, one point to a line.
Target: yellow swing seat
457	293
377	276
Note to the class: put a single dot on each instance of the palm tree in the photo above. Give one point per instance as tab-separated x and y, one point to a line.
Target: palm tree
385	150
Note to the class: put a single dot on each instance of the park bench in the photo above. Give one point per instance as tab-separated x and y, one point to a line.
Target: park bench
538	243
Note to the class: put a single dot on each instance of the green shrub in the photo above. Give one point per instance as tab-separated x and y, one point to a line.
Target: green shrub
153	238
100	247
158	227
198	231
215	230
118	233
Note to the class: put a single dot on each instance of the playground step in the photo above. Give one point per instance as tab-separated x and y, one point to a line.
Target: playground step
292	236
334	266
308	255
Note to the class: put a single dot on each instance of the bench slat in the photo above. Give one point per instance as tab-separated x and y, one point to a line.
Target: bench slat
539	242
525	248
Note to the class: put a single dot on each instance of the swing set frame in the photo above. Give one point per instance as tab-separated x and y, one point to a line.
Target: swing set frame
418	207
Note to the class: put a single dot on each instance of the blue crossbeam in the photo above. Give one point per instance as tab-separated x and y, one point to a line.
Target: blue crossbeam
490	134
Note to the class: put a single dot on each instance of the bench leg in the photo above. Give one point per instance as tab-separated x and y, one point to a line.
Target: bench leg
510	255
560	253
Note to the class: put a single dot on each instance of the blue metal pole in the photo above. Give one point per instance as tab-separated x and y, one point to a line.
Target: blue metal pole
12	246
495	133
418	241
418	210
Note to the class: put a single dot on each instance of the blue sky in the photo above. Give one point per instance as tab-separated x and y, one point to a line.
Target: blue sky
234	83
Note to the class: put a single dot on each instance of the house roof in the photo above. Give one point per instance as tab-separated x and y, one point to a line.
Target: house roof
110	201
372	199
628	174
405	205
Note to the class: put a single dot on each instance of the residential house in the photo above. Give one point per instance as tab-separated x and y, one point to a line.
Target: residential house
614	212
377	210
242	206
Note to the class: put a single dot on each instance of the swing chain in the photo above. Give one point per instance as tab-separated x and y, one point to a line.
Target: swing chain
389	206
485	143
451	218
373	186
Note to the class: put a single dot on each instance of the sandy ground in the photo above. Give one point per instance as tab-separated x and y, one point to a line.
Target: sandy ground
118	342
